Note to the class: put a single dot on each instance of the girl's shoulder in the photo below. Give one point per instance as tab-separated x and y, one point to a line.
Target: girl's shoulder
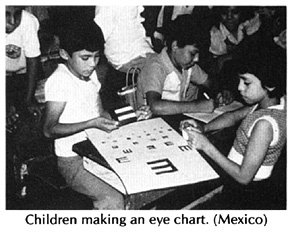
276	117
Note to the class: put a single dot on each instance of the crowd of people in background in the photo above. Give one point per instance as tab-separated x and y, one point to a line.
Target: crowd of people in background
133	33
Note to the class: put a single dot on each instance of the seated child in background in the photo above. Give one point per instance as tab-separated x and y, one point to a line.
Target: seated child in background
232	28
73	105
259	139
169	82
22	61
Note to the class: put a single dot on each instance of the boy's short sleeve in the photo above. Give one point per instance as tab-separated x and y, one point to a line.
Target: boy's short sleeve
55	90
153	77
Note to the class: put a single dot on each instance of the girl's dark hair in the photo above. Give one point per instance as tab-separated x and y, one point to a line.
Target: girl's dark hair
269	66
81	36
186	31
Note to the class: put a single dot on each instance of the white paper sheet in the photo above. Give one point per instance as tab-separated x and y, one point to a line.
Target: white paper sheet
149	155
103	173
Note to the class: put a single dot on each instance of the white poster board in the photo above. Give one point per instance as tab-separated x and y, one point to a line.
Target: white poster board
147	155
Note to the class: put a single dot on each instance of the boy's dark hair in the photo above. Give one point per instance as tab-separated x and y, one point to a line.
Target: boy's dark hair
186	31
81	36
246	13
269	66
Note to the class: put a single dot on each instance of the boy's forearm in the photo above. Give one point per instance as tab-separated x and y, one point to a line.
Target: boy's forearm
165	107
228	119
63	130
222	121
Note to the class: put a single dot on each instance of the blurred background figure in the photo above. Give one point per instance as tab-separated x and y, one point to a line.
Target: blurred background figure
22	58
126	44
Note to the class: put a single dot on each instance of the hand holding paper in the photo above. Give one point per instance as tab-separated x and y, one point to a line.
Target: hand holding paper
190	125
143	113
196	139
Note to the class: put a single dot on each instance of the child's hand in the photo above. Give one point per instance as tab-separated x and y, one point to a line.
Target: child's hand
105	124
223	98
197	140
207	106
143	113
191	124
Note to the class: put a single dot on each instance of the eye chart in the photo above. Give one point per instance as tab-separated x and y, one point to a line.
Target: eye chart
149	155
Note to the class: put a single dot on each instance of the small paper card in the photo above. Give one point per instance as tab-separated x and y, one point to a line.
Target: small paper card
124	115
